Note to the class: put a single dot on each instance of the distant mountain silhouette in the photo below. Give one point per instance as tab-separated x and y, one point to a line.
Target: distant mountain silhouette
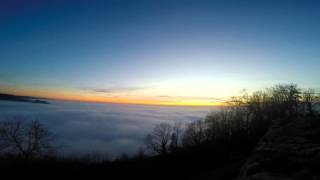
10	97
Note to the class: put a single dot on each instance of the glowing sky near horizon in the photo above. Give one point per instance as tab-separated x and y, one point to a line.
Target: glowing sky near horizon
180	52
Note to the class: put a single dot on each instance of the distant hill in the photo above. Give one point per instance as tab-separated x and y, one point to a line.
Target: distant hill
9	97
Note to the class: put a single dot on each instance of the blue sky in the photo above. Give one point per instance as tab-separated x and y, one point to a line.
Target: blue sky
151	49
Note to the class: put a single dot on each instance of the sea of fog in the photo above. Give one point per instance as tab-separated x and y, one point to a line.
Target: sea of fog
113	129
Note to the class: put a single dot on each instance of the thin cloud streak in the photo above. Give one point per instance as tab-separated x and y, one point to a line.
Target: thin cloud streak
213	99
115	89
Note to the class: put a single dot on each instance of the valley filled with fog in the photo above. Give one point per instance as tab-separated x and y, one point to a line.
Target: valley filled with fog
96	128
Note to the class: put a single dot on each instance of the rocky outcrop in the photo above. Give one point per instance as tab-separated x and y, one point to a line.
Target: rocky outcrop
289	150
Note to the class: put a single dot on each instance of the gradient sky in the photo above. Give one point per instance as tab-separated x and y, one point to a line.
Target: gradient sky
156	52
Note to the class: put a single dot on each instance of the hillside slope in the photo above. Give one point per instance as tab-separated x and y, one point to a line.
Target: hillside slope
289	150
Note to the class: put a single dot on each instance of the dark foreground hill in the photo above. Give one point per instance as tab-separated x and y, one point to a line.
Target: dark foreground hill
289	150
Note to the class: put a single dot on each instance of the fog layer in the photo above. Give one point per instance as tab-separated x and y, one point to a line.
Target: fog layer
112	129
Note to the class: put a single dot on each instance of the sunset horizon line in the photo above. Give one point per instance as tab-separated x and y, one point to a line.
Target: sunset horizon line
124	101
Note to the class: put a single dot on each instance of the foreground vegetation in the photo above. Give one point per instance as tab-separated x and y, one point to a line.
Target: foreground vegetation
217	144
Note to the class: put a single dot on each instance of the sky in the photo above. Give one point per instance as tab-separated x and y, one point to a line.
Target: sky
177	52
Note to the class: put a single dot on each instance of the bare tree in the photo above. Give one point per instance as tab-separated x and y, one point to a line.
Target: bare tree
175	139
308	98
195	133
285	100
159	140
25	138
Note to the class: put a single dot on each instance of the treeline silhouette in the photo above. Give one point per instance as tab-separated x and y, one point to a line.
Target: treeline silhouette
215	146
242	122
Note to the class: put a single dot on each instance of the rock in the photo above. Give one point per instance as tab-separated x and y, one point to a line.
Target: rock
289	150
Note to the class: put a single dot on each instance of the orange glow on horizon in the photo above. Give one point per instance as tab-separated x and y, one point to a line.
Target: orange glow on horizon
142	101
73	95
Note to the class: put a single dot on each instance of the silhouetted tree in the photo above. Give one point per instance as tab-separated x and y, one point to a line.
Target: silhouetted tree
175	139
195	133
285	100
308	98
140	154
25	138
159	140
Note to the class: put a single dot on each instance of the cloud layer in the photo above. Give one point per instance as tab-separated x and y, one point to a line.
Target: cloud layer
111	129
